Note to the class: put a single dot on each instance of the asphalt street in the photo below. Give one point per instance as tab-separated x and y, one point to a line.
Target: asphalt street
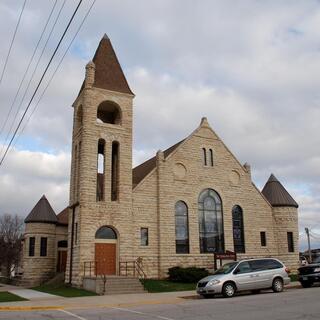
291	304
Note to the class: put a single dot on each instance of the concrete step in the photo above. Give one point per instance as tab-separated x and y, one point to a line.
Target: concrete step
118	285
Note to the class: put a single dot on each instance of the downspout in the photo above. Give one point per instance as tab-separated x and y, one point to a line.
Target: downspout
73	207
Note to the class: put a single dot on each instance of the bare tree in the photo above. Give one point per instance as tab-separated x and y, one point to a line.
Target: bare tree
11	228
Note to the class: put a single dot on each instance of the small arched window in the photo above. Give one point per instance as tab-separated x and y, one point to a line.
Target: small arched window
63	244
210	222
182	229
238	230
106	233
109	112
211	157
204	156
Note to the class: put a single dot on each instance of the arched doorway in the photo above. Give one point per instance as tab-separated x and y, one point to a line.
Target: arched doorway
106	251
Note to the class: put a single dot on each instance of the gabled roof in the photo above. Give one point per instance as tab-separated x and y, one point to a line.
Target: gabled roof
108	71
42	212
141	171
63	217
277	195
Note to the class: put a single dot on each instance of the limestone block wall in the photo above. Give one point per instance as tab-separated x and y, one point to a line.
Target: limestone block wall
145	216
37	269
286	220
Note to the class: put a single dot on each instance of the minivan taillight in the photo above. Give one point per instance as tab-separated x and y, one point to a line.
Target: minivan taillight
287	270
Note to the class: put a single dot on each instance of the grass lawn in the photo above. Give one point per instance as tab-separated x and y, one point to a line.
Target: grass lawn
64	291
8	297
167	286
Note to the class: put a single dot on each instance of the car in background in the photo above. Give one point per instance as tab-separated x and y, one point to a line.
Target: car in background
309	274
244	275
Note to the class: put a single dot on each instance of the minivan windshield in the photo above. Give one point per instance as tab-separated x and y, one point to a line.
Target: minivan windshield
226	268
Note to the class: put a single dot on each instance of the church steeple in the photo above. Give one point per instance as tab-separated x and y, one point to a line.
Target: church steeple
108	71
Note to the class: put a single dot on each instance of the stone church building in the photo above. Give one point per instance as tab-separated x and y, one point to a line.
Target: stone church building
175	209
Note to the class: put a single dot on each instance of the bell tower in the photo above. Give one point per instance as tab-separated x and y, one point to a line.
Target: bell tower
101	167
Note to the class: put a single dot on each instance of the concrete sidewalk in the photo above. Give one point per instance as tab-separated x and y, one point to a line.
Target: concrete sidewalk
120	300
32	294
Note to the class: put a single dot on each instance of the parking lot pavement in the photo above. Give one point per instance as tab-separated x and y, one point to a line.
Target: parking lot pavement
291	304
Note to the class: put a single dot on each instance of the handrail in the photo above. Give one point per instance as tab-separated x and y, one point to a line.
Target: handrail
126	268
132	268
90	268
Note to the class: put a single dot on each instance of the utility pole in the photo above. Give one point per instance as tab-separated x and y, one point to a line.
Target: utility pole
309	248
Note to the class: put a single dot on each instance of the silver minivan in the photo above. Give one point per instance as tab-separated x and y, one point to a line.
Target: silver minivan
250	274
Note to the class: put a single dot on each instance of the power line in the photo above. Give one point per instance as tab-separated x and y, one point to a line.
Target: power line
31	78
11	44
37	88
28	67
54	73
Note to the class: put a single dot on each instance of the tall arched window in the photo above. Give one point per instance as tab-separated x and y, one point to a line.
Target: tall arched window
182	229
210	222
100	169
238	232
115	171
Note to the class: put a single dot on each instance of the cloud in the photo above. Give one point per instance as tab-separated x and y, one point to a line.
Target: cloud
252	68
27	175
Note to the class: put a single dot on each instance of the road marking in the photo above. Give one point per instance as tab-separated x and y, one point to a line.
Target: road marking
142	313
72	314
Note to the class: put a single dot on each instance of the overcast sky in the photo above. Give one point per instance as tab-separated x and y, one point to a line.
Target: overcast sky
251	67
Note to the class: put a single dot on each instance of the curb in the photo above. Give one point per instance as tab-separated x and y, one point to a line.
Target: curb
76	306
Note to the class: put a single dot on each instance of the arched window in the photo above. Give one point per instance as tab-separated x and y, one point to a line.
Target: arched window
238	231
109	112
115	171
211	157
204	156
182	229
106	233
210	222
100	170
63	244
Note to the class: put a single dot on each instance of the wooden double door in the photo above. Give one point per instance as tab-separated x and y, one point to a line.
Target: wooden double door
106	258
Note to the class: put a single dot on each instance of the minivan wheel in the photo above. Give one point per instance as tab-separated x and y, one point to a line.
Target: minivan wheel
228	290
277	285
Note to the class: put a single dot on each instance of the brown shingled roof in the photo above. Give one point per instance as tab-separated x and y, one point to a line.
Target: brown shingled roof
108	71
63	217
142	170
42	212
277	195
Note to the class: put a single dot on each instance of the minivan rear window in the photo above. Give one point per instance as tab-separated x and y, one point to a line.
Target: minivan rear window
265	264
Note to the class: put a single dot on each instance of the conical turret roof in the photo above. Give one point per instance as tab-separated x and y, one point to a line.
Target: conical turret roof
108	71
42	212
277	195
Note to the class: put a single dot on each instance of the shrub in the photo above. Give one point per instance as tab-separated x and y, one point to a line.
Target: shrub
187	275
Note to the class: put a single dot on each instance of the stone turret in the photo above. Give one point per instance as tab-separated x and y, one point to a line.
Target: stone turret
285	214
39	250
